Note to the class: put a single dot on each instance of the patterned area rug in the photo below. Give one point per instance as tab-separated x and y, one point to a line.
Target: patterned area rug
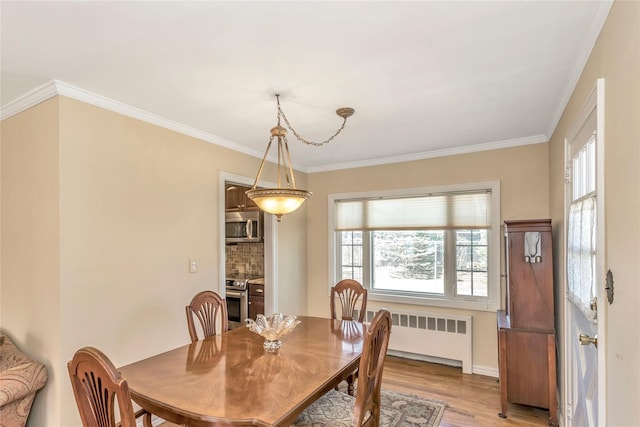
398	410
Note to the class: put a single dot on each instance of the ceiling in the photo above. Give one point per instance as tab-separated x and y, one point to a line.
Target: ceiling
425	78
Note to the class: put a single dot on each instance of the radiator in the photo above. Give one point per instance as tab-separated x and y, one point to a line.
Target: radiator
441	335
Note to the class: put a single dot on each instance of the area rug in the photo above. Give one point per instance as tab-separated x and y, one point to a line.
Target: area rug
398	410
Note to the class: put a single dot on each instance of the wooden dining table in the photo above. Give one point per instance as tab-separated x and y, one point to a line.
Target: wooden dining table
229	379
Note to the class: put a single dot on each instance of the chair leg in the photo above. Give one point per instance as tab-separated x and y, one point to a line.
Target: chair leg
146	420
350	380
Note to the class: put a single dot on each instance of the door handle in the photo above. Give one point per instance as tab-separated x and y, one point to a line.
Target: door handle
586	340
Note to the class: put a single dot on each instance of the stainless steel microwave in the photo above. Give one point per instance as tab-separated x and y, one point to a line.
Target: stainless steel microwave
243	227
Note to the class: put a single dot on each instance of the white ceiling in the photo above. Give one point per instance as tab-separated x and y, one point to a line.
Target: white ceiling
425	78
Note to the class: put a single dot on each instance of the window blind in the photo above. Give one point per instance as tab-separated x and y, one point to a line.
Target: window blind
423	212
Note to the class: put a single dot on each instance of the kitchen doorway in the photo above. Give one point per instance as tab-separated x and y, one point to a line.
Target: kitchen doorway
267	267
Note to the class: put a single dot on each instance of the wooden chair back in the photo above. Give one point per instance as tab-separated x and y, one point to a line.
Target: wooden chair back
352	297
207	306
97	386
367	406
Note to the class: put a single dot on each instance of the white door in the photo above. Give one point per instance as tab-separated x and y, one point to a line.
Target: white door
585	300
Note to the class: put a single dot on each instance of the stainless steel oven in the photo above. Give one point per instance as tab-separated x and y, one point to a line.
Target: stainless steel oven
237	302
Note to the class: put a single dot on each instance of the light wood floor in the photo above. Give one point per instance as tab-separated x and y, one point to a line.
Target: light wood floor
472	400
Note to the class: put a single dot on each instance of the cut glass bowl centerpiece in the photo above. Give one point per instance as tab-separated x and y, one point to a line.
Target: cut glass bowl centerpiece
272	328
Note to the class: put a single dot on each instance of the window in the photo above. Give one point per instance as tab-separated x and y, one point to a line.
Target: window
431	246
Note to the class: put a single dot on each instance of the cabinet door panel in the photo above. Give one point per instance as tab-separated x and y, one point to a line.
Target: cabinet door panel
256	306
530	284
237	200
233	197
527	368
249	205
256	299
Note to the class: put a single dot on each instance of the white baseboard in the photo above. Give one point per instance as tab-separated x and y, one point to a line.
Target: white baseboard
425	358
478	370
484	370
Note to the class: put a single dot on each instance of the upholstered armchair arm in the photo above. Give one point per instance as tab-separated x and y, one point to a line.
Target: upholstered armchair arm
21	380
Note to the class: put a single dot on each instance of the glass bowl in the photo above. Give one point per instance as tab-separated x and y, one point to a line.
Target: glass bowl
272	328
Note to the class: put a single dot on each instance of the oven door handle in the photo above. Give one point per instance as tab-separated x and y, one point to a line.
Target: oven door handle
237	294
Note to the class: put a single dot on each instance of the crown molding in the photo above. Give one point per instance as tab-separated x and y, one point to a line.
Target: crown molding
29	99
56	87
535	139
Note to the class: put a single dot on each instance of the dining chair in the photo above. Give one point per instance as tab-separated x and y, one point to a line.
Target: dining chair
97	386
334	407
352	297
207	306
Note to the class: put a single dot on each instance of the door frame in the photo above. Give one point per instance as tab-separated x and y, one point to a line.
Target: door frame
596	101
270	234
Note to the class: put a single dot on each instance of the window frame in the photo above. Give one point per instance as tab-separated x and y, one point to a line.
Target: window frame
449	299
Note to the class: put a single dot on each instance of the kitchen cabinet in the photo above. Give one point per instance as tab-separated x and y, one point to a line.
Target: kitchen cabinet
526	329
256	300
236	200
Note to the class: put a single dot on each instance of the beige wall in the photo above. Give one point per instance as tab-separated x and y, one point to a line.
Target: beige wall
616	58
292	271
30	284
523	176
101	214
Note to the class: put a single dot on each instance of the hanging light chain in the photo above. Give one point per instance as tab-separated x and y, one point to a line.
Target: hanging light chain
283	200
299	137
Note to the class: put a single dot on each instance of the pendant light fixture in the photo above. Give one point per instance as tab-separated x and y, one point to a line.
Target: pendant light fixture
286	198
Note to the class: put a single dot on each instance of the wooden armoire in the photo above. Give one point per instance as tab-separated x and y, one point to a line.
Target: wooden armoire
526	329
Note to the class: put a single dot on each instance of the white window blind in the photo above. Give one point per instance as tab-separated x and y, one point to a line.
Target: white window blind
445	211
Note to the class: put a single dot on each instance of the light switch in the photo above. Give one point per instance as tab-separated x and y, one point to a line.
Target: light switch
193	266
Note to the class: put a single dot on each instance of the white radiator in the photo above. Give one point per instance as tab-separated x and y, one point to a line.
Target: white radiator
441	335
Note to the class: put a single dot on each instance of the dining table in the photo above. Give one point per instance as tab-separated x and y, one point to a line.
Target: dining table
230	379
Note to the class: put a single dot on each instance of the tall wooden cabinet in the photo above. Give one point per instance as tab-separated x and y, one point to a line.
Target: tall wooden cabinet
526	329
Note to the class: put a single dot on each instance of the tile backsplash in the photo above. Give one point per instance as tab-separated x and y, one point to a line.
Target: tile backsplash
245	258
